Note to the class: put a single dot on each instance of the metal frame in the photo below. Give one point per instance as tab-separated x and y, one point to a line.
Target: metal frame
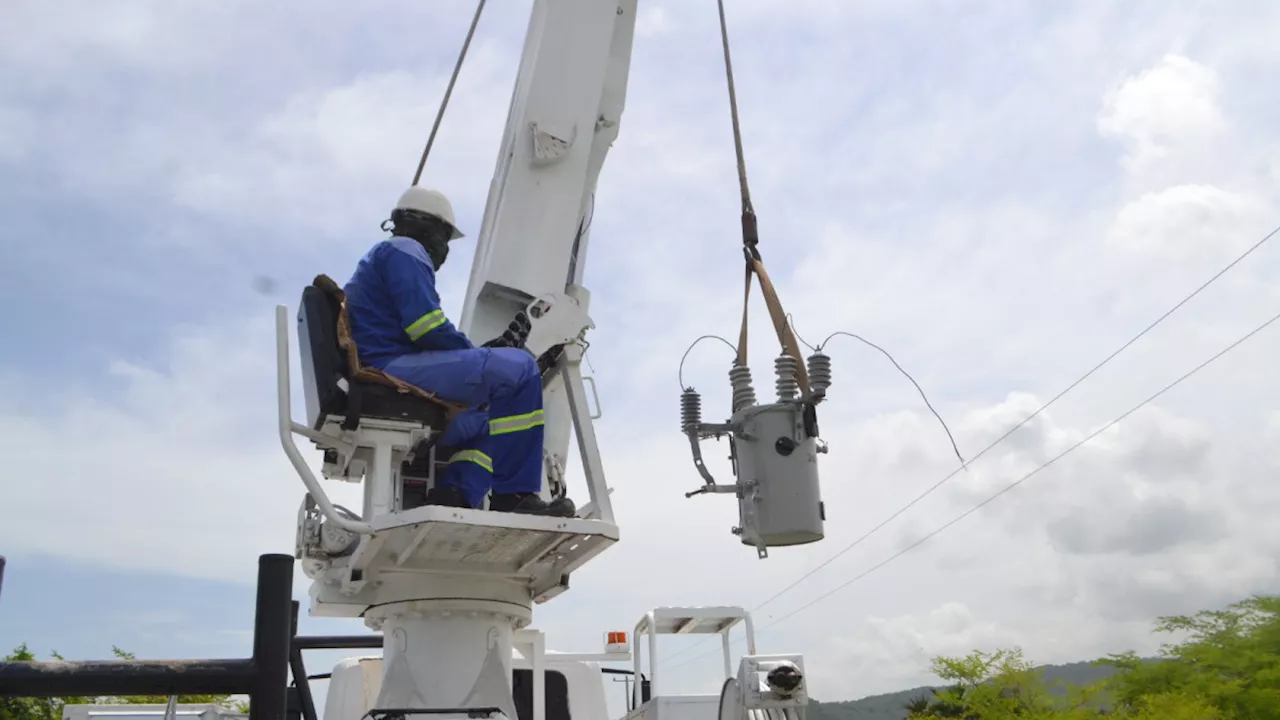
687	621
262	676
301	686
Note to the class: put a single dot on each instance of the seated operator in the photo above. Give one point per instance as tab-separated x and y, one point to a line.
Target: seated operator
400	328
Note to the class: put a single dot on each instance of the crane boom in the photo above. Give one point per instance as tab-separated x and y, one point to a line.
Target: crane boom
564	116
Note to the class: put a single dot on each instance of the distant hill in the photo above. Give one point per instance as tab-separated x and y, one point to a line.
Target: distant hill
891	706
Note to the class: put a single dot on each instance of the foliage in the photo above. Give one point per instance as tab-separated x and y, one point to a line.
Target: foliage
1229	660
1226	667
51	708
999	685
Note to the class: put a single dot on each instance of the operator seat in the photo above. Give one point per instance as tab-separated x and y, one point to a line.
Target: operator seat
336	387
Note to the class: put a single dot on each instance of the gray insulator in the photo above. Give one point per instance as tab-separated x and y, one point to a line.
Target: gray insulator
788	386
819	372
744	394
690	411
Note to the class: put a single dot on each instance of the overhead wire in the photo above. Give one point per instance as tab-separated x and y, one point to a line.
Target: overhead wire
964	466
1024	421
448	91
942	528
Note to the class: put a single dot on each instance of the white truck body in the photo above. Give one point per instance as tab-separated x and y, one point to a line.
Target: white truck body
574	685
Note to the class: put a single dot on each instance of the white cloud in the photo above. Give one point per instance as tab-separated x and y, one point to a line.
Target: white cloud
168	467
958	202
327	162
1165	108
1206	220
894	650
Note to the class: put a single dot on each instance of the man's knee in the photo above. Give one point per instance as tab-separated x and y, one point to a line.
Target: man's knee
512	366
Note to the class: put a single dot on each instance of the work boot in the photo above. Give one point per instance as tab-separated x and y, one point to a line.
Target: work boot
447	497
531	504
414	494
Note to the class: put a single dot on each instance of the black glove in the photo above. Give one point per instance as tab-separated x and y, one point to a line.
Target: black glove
519	329
515	334
547	361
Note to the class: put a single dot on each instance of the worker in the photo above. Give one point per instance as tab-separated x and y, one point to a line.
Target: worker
400	328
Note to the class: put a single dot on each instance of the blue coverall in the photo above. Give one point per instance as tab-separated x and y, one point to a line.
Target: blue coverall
399	327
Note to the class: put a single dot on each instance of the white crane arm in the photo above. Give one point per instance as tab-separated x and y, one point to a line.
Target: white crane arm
564	115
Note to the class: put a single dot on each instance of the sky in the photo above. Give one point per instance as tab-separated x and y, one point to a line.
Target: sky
999	194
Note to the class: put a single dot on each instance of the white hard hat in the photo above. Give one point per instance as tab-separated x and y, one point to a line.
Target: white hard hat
429	202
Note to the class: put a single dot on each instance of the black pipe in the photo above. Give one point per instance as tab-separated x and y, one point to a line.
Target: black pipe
337	642
272	637
301	681
1	572
156	677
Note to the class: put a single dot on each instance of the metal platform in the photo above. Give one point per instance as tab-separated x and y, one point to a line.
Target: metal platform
539	551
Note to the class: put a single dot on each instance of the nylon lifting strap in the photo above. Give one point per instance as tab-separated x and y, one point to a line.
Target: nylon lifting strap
751	238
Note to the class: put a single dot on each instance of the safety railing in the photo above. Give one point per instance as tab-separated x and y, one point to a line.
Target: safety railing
288	427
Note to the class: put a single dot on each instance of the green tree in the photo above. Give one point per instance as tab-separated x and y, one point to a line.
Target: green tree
1228	661
51	708
1225	667
999	686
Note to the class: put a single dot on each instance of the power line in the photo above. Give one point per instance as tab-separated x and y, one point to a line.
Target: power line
1024	421
964	466
1014	484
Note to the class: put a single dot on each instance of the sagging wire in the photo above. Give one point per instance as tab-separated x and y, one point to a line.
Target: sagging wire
680	372
818	348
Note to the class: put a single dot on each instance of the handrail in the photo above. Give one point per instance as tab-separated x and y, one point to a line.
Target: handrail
286	426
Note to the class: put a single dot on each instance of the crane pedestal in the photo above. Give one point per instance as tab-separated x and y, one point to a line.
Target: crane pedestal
448	654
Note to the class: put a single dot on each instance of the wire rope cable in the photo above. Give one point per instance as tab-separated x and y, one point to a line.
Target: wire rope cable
448	91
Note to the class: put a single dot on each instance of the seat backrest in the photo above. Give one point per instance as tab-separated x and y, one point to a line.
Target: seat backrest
324	363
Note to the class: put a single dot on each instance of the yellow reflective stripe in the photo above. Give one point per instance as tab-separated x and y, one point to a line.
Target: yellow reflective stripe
474	456
515	423
426	324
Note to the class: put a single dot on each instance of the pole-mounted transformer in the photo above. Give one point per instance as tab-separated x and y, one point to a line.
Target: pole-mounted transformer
774	450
